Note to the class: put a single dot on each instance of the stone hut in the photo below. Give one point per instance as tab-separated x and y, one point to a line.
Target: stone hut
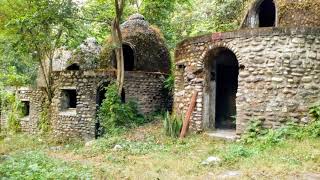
268	70
79	81
80	87
144	47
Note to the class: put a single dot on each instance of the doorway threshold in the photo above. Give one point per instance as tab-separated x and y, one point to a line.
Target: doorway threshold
223	134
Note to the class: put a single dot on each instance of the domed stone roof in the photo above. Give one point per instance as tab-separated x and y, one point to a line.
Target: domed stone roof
282	13
144	46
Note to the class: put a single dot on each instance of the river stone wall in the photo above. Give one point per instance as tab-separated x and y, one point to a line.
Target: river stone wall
145	88
35	98
279	78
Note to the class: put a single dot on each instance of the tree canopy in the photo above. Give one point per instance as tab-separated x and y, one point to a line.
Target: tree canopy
30	31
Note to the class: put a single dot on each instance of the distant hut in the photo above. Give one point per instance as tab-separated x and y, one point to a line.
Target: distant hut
143	47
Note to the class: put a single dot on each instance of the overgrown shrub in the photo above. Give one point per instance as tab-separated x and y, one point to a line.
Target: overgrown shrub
114	115
12	109
257	134
315	112
172	125
253	130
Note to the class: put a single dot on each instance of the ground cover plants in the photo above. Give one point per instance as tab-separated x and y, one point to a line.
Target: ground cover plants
146	152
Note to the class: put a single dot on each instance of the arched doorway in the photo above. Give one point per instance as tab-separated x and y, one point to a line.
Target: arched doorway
222	82
128	56
267	13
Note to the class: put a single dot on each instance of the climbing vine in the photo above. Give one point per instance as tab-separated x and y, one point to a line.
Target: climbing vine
44	120
12	110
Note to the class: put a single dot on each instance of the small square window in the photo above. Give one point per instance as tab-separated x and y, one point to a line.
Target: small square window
69	99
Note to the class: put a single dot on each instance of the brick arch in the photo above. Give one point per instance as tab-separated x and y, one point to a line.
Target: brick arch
217	45
102	82
212	113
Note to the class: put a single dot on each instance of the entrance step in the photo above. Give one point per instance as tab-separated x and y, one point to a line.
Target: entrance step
223	134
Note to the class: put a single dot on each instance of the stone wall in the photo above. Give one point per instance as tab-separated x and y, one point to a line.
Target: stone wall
147	89
35	98
144	88
80	121
279	76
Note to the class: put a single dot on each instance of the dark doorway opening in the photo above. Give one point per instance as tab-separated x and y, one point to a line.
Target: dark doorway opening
223	75
267	14
128	55
123	96
73	67
25	108
101	95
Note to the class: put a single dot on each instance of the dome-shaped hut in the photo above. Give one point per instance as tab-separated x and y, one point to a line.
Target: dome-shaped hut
281	13
143	47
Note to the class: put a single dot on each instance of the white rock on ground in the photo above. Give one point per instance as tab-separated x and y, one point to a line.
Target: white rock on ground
229	175
212	160
89	143
117	147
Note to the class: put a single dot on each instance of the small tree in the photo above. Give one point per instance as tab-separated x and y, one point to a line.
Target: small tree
38	27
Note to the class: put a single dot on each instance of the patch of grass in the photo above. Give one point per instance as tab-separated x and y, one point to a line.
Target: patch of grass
147	153
37	165
21	142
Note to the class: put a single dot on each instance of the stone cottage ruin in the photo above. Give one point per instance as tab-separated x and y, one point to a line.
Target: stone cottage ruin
269	69
79	81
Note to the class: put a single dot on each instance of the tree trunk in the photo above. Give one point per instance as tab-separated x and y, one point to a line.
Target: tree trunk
117	42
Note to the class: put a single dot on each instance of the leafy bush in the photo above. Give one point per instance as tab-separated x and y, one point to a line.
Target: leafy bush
257	134
169	82
172	125
313	129
36	165
114	115
254	129
315	112
12	108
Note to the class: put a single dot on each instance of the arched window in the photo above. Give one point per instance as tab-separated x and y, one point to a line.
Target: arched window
73	67
128	57
267	14
263	13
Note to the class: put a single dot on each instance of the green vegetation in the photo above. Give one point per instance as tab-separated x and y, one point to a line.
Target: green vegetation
172	125
37	165
115	115
12	108
30	32
44	120
146	152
